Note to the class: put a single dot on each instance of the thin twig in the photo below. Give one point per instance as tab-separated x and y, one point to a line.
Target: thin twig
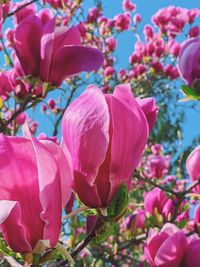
74	212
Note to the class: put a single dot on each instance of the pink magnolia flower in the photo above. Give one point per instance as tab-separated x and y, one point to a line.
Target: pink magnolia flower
109	71
21	118
175	49
135	221
157	66
111	133
189	60
192	14
194	31
5	83
156	199
111	44
35	185
171	71
148	31
55	53
137	19
5	7
157	149
24	12
128	5
122	21
150	110
9	35
93	14
59	3
171	248
193	166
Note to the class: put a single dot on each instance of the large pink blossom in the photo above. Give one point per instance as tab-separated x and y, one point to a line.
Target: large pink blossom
171	248
106	136
35	185
55	52
189	60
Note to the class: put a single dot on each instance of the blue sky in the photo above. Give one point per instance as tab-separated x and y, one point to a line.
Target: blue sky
125	46
126	41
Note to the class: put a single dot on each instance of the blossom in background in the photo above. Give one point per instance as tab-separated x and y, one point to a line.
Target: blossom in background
55	52
156	202
35	185
111	133
171	248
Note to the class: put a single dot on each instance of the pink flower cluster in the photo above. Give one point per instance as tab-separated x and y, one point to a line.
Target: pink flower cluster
171	20
156	165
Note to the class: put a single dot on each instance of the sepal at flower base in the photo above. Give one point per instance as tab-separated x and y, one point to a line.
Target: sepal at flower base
118	205
190	93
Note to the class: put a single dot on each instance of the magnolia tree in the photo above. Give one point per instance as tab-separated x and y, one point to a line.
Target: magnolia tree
95	178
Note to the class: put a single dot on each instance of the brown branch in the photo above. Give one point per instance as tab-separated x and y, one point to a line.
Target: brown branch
151	182
6	52
85	242
55	131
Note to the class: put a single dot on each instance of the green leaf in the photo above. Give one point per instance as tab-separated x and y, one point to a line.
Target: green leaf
7	60
190	93
104	232
182	224
119	202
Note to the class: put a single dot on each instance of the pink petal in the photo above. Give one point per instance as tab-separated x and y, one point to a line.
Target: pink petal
50	189
27	44
171	252
170	229
153	245
66	37
128	139
19	182
71	60
64	163
88	117
192	255
87	193
47	43
155	198
11	226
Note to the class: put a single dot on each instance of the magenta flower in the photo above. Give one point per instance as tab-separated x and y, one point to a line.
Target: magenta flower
5	84
24	12
135	221
193	166
128	5
189	60
157	200
166	249
35	185
150	110
55	52
106	136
